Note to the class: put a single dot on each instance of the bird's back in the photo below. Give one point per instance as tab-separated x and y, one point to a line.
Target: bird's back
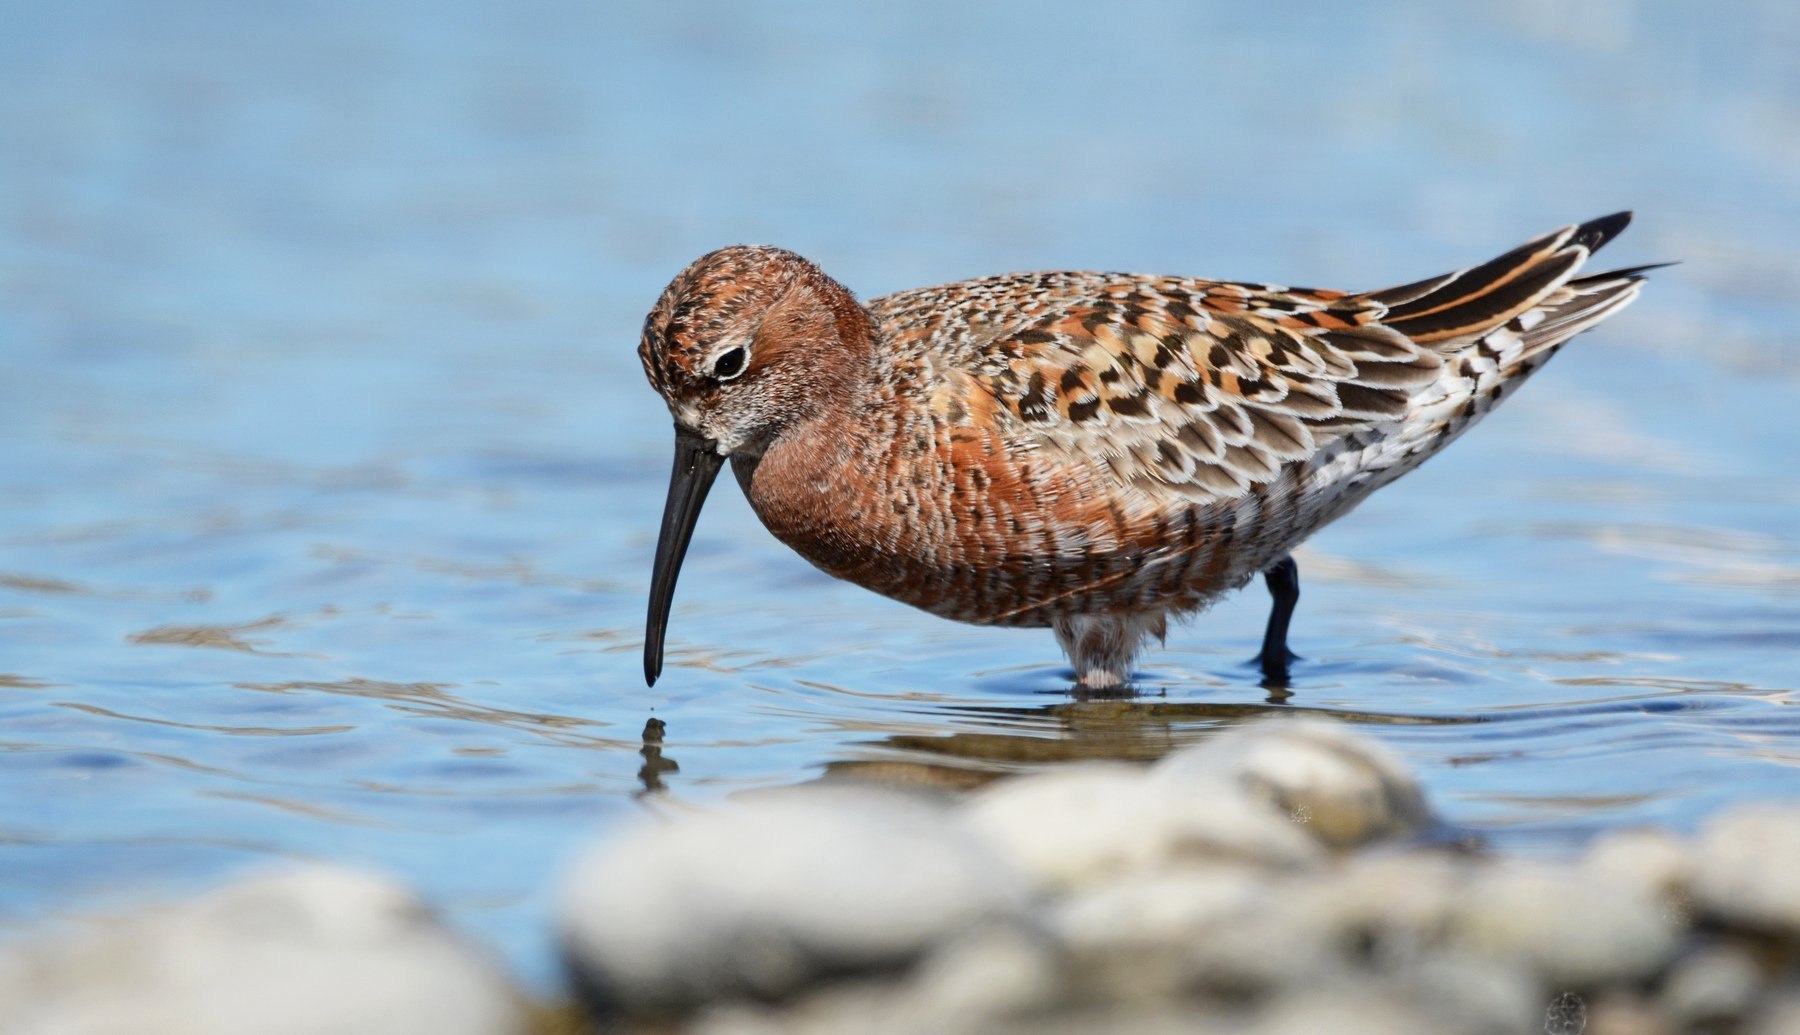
1146	442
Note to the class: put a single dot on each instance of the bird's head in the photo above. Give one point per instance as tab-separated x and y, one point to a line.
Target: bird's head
744	343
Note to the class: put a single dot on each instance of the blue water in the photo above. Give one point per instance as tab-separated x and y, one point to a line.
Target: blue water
328	477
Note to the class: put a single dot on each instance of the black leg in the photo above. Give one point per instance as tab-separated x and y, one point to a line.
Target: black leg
1284	585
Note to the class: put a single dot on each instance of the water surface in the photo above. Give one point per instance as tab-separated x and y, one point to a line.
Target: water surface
329	479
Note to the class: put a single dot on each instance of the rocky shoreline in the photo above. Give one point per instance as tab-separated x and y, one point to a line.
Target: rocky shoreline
1284	877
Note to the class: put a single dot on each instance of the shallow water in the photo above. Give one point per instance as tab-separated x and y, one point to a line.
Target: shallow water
330	479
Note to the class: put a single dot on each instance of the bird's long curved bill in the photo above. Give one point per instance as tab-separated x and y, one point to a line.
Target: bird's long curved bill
697	463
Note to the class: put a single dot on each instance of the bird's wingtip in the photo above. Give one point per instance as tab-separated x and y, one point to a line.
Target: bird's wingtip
1594	233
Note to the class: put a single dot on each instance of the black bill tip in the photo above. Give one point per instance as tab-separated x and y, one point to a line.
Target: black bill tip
697	462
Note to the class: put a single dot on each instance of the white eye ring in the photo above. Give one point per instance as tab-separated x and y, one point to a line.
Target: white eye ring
739	361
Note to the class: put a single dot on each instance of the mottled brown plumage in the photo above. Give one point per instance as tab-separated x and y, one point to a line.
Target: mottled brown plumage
1087	451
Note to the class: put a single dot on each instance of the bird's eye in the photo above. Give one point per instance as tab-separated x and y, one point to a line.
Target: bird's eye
729	364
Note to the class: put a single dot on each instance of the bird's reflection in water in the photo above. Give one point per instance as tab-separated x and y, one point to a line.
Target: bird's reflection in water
989	741
655	764
1278	690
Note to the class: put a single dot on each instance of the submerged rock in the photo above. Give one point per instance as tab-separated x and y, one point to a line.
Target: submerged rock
315	951
769	895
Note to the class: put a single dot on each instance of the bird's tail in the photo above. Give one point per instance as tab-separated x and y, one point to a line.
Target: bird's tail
1519	307
1492	325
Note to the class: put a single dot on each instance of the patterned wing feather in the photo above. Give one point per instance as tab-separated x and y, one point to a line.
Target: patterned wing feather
1197	388
1204	389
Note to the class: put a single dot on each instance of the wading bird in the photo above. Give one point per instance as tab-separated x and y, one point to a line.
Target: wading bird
1092	452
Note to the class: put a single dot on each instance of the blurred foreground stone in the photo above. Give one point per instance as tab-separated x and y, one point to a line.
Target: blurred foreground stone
775	894
1278	878
1283	878
314	951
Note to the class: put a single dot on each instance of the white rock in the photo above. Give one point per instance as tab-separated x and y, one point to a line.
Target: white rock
1138	937
1574	930
1747	868
1161	911
989	975
1653	863
1090	822
1779	1017
315	951
1649	860
1393	913
763	896
1342	788
1393	906
1473	995
1346	1009
1714	988
1151	1018
867	1007
1274	949
968	986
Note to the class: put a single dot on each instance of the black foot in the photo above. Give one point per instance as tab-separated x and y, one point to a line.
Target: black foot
1284	585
